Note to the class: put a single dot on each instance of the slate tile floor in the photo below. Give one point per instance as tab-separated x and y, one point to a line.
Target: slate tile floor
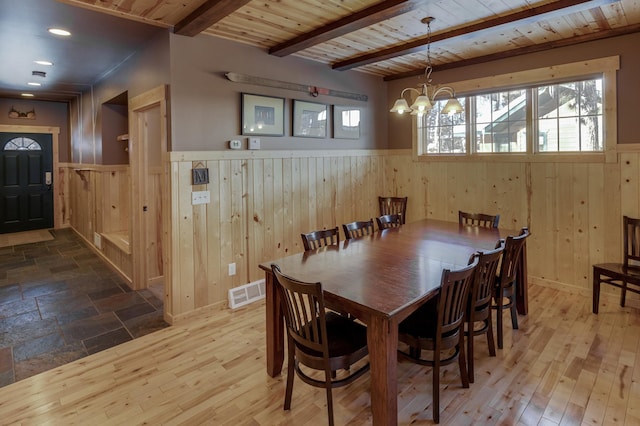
60	302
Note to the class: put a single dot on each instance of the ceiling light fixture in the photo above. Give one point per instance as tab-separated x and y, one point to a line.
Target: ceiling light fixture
33	83
59	31
46	63
428	93
27	95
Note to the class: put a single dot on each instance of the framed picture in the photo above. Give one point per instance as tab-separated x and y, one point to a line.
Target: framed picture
346	122
262	115
309	119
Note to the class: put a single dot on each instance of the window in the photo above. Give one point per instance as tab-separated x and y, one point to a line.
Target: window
539	116
570	116
443	134
22	144
500	122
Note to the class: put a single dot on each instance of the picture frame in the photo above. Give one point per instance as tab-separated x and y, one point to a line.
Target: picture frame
346	122
309	119
262	115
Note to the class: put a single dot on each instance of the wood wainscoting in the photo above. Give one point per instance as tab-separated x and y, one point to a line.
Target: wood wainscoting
262	201
97	199
260	204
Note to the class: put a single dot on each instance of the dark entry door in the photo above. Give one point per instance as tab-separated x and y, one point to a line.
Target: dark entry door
26	178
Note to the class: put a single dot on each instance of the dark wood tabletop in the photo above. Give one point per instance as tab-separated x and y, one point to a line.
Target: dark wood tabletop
380	279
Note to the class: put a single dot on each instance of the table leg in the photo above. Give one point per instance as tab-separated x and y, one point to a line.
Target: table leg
522	297
274	327
596	290
382	339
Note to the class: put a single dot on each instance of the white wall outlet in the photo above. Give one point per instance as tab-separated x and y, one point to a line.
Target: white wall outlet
254	143
232	269
235	144
97	240
200	197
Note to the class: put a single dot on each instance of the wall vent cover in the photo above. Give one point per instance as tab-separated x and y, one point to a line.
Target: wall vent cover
245	294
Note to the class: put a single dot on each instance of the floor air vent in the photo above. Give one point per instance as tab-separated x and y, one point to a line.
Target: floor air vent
245	294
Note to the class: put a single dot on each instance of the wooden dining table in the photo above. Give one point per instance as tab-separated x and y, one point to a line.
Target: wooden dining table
381	279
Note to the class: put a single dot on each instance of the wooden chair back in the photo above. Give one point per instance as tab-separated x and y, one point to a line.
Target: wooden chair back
358	229
317	239
454	294
478	219
304	312
389	221
510	258
393	205
484	279
631	238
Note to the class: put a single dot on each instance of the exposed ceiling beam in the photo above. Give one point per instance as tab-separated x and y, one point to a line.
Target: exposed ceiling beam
560	7
206	15
119	12
523	51
361	19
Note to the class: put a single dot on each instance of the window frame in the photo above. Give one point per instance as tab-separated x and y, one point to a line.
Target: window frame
606	68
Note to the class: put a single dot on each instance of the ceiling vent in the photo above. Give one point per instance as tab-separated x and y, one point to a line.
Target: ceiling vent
39	73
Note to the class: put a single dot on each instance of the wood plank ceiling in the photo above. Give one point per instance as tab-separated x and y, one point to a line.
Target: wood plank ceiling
386	38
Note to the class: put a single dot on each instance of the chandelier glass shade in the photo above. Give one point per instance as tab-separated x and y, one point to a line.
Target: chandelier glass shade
427	93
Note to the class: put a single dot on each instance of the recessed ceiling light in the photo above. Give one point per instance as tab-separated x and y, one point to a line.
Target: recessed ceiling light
47	63
27	95
59	31
33	83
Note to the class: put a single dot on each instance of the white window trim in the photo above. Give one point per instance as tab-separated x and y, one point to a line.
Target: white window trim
607	67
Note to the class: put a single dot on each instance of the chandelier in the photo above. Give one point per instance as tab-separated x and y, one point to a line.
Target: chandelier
427	92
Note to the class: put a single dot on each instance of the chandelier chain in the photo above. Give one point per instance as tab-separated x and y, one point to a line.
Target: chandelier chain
429	69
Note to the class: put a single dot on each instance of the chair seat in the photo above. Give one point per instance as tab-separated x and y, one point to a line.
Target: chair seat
345	337
617	275
423	322
419	330
480	314
618	271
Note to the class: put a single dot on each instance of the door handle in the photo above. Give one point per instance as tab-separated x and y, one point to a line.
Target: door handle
47	178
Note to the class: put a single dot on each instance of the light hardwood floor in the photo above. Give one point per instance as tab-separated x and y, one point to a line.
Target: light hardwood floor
564	366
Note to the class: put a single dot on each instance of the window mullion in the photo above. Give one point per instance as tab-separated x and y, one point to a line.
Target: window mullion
532	121
470	124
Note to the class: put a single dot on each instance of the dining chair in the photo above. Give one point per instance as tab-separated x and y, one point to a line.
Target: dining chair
318	339
393	205
321	238
625	274
389	221
438	327
358	229
479	305
505	283
478	219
